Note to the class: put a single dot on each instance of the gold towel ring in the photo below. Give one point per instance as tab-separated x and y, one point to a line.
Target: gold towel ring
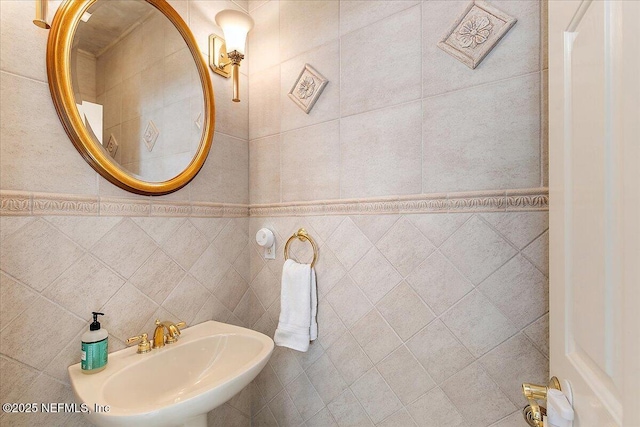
302	236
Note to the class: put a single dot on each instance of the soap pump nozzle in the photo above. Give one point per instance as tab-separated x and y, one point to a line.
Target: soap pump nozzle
95	325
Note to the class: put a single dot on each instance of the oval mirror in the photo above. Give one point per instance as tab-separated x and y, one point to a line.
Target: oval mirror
132	91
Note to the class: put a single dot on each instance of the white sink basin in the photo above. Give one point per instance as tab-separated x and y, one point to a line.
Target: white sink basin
177	384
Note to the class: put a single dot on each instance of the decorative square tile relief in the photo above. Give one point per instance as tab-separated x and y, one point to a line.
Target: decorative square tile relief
112	146
307	88
476	32
150	135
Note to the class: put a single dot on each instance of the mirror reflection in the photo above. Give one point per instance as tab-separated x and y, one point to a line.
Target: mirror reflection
137	88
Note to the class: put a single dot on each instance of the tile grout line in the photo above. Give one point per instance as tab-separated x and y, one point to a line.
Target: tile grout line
28	289
518	252
535	344
481	85
340	144
32	79
422	94
484	369
545	274
541	52
21	227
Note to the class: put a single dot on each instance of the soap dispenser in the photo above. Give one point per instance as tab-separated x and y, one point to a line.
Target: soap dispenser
95	347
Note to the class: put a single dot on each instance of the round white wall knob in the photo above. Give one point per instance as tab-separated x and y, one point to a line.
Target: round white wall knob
265	238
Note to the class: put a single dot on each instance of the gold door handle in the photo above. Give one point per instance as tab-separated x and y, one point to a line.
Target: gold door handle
533	413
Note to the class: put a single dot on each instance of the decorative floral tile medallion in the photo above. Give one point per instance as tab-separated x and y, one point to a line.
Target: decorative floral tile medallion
307	88
476	32
112	146
150	135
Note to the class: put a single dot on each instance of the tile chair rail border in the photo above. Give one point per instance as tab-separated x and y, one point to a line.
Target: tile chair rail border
24	203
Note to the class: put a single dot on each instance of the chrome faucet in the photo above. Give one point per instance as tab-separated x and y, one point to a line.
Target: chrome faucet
173	332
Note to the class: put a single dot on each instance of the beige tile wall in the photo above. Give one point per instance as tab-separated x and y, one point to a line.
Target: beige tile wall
412	118
86	74
423	320
417	312
56	270
35	153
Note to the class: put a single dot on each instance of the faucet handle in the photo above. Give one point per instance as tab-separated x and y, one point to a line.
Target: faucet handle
179	326
174	332
168	322
144	346
172	329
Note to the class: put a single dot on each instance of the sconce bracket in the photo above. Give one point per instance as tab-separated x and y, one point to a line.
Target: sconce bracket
218	56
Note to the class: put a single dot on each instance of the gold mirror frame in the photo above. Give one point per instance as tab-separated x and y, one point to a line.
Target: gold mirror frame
59	45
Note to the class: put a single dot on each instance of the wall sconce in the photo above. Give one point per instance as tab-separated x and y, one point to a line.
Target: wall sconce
41	14
225	54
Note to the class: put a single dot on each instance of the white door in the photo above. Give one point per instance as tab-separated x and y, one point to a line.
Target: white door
594	150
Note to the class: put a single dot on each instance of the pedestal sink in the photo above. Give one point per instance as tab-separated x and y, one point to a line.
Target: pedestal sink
175	385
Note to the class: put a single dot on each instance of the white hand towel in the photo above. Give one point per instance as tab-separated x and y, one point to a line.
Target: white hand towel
298	307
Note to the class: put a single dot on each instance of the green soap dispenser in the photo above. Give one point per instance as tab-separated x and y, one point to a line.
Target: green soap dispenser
95	347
